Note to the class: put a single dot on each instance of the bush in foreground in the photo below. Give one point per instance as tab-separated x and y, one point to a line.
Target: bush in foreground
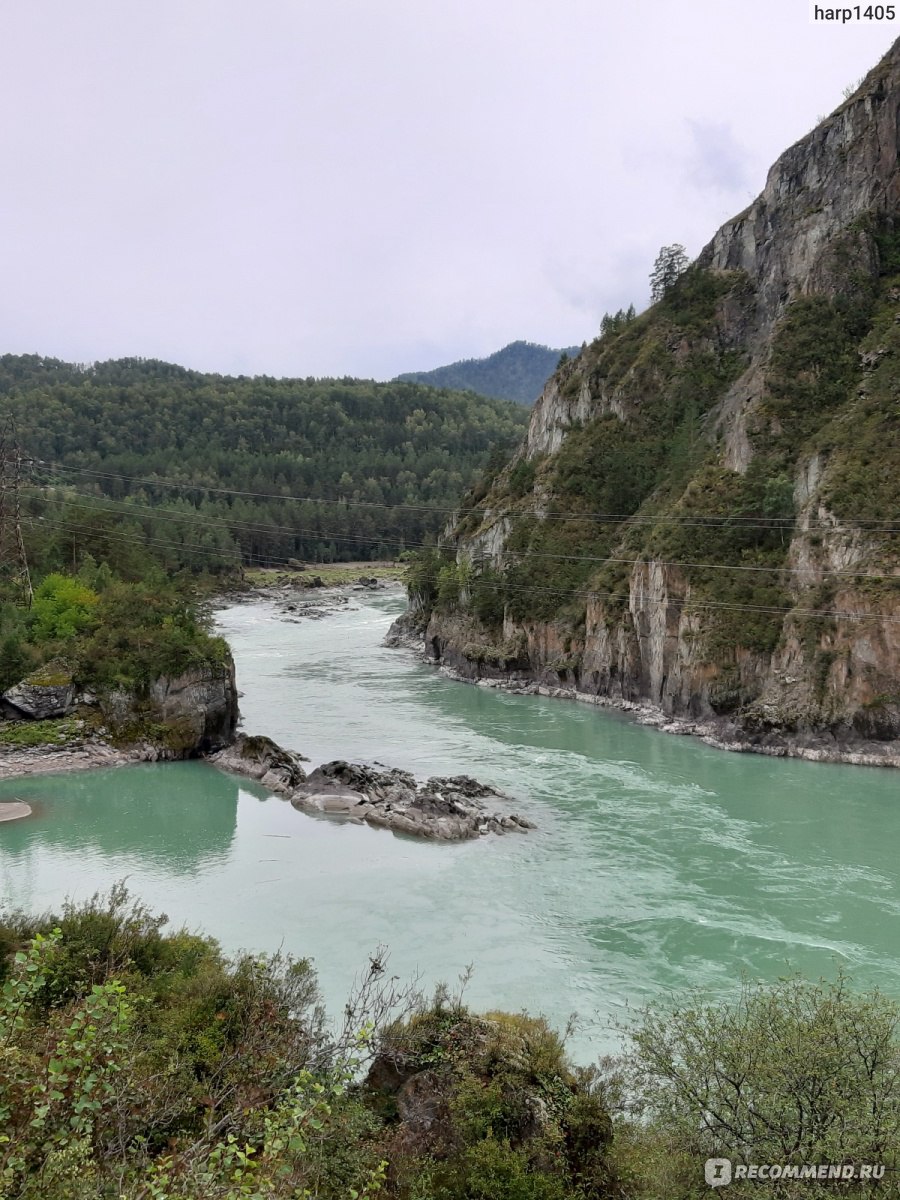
143	1064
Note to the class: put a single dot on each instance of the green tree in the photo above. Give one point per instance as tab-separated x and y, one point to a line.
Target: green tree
671	263
15	661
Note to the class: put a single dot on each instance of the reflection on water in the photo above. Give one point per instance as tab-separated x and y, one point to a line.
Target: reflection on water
658	863
180	814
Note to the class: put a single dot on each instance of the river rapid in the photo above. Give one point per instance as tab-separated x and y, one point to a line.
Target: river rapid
659	864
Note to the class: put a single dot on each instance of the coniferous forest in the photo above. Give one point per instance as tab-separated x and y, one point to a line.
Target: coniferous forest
135	457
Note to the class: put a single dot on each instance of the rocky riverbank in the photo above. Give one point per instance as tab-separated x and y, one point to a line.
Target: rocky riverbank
772	739
298	598
448	809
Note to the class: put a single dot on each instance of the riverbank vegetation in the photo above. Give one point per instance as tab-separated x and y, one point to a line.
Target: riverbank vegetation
141	1063
102	632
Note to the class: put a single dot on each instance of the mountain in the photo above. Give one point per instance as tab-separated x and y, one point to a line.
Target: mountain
704	516
517	372
138	456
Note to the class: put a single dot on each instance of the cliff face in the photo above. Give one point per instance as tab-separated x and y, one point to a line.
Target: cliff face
702	515
193	713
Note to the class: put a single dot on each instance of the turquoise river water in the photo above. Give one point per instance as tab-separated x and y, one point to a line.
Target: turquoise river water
659	864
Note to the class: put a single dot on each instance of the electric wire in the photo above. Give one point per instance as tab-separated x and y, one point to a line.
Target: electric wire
772	523
174	516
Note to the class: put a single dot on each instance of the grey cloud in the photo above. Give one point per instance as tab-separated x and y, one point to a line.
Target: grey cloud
717	159
343	187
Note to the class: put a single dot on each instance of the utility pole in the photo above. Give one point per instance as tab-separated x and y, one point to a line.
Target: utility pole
13	559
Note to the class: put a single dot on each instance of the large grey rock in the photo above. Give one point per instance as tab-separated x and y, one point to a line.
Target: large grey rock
205	699
260	758
450	809
183	715
47	692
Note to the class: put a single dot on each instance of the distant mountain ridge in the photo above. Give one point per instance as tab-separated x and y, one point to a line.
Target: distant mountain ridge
517	372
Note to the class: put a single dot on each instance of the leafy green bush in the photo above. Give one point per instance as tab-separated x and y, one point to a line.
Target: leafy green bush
135	1062
510	1118
793	1072
63	607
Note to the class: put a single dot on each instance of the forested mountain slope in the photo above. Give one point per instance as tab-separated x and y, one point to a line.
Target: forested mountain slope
242	448
517	372
705	512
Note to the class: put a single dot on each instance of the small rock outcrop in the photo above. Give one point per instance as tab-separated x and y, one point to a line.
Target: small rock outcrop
204	698
260	758
176	716
444	809
48	692
181	715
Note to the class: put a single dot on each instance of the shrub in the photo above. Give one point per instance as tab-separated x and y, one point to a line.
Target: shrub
63	607
793	1072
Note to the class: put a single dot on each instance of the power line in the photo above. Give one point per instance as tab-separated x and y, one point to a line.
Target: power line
712	520
175	516
585	594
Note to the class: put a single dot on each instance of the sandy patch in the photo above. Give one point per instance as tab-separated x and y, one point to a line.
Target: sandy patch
11	810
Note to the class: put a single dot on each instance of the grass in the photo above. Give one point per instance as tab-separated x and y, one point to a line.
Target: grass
331	574
26	734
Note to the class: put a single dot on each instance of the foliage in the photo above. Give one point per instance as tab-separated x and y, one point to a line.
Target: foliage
515	1121
63	607
127	636
146	1064
338	444
521	478
40	733
144	631
732	525
794	1072
487	595
610	468
139	1062
421	577
814	366
16	660
669	265
616	322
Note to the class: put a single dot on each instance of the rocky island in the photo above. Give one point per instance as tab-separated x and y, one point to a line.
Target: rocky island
449	809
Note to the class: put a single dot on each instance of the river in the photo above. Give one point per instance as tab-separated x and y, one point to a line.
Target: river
659	864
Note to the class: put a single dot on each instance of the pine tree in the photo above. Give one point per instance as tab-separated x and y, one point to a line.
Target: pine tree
671	263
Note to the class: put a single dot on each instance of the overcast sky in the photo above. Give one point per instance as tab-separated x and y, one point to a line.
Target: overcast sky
363	187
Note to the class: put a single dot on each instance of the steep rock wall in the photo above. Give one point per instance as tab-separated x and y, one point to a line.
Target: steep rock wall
822	669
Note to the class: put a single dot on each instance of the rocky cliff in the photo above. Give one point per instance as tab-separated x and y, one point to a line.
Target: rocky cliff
180	716
702	516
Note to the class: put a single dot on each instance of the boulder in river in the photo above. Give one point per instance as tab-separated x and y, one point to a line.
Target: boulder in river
450	809
260	758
